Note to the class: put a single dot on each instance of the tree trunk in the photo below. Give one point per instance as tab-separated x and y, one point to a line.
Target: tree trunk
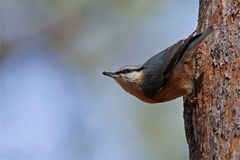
212	110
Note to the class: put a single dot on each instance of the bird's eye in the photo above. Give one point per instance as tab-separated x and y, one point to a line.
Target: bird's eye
126	70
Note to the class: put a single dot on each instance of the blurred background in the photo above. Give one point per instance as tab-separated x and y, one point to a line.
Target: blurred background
55	102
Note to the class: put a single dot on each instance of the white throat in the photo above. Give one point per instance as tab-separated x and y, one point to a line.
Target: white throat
133	76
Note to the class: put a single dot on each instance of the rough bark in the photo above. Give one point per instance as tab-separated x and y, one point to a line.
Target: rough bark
212	110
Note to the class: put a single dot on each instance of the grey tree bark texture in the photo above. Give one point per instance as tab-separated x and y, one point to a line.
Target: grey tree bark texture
212	110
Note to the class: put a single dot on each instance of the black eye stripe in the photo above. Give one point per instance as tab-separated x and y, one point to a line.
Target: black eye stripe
127	70
123	71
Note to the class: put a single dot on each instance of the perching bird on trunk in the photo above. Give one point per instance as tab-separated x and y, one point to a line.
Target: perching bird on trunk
165	76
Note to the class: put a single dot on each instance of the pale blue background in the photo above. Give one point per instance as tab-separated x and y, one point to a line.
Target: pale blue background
56	104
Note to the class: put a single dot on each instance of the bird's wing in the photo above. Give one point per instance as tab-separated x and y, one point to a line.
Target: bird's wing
179	49
186	45
159	67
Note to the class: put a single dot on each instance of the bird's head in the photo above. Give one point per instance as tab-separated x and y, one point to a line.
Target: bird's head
130	78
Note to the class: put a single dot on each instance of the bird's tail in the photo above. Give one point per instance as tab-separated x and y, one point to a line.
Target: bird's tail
200	37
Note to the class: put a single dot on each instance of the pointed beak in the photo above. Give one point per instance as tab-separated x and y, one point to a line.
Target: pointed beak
110	74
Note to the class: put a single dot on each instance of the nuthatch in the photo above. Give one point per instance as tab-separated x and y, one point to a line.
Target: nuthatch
165	76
